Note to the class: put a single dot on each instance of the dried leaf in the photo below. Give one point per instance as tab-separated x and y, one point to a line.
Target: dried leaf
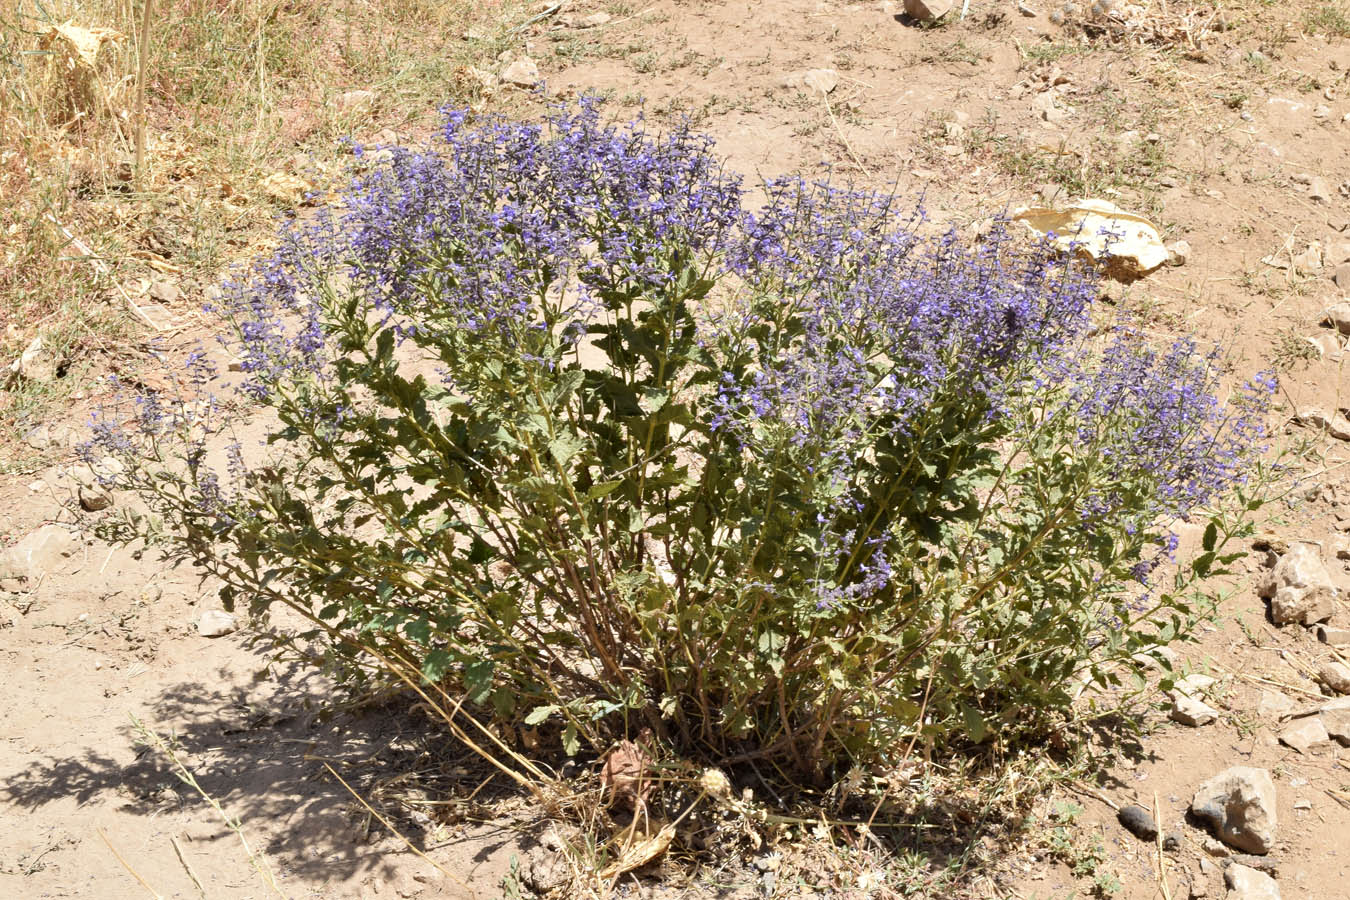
285	188
83	44
639	853
624	775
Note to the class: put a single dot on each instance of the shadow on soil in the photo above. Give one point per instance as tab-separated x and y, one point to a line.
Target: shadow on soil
264	762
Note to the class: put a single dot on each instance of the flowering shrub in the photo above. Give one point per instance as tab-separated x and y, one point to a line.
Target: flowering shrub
560	419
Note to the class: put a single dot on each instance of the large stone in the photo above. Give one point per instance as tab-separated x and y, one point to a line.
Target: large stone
1337	724
1333	635
1240	805
1304	734
42	551
1299	588
1336	676
1245	883
928	10
522	72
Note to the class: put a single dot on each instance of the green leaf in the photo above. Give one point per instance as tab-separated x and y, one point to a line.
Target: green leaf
1211	536
564	447
435	664
603	489
974	722
571	743
540	713
478	679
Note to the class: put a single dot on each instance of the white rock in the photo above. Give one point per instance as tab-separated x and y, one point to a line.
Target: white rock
1189	711
1195	684
822	81
42	551
1299	587
1245	883
34	364
522	72
1045	107
1304	734
1178	253
215	623
1336	676
1240	804
1309	260
1318	190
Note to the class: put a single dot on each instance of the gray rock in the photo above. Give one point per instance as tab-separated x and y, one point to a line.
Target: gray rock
522	72
1333	423
1138	822
1189	711
1331	634
1336	676
1337	724
1338	316
1215	847
1245	883
1304	734
1274	704
217	623
928	10
166	291
1240	805
1341	275
1299	587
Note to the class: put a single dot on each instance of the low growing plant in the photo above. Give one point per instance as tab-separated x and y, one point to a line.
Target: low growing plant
557	417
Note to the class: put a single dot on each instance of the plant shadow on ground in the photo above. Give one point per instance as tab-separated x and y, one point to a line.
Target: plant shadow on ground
264	762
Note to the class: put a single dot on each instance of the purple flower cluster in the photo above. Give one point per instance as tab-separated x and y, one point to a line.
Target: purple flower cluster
888	321
1153	417
479	232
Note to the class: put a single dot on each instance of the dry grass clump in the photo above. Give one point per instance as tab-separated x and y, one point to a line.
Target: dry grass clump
242	107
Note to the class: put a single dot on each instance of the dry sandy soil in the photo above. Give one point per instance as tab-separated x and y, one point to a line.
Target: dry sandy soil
1237	142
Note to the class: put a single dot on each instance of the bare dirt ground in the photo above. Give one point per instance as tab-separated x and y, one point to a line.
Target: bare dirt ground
1235	139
